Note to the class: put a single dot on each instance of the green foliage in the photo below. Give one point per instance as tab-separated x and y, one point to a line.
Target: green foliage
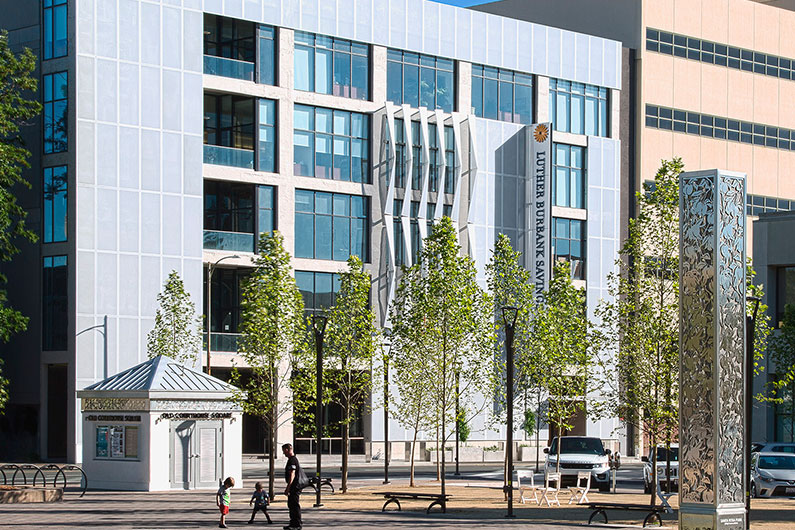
529	423
352	340
442	335
176	333
272	332
16	87
462	425
562	336
782	354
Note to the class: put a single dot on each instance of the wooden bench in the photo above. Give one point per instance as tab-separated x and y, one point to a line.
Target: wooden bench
436	499
602	507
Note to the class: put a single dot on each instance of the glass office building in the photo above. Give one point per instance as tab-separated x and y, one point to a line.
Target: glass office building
174	134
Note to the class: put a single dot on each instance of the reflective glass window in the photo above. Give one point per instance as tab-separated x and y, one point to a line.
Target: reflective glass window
569	174
55	31
55	112
502	94
55	310
331	144
578	108
331	226
420	80
55	204
329	65
568	243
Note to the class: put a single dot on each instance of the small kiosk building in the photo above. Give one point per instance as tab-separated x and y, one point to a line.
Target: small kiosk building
159	426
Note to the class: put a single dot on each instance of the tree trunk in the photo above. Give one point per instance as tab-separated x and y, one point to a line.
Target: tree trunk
411	465
438	458
345	443
505	472
653	440
272	433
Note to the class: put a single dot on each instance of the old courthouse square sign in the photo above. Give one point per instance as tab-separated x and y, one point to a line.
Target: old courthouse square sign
538	207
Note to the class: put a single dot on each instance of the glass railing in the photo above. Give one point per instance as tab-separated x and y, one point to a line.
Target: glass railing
223	342
228	156
237	241
226	67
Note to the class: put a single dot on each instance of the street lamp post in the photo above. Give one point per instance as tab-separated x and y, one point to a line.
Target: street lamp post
386	409
509	318
319	326
102	328
750	328
210	268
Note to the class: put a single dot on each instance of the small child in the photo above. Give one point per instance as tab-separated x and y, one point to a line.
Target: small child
260	500
223	499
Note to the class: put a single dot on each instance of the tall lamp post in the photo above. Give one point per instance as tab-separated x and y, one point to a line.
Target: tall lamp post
387	452
102	328
319	326
509	318
750	328
210	268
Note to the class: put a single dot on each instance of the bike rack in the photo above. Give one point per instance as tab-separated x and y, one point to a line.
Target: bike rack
40	470
70	467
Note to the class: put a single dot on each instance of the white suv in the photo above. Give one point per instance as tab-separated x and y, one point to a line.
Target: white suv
577	454
662	467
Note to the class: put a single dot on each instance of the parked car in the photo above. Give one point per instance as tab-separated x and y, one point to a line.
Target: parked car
773	447
772	474
578	454
662	468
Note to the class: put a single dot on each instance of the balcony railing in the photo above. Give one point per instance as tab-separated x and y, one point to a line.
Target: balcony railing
228	156
223	342
236	241
226	67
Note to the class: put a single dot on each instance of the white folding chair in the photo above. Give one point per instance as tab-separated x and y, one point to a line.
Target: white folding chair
549	493
528	486
664	496
579	492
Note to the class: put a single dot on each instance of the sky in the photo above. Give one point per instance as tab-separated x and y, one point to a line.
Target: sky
463	3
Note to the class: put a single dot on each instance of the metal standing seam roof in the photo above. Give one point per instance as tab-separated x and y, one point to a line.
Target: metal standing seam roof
161	374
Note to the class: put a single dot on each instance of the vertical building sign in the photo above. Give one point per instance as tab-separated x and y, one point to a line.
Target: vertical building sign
539	209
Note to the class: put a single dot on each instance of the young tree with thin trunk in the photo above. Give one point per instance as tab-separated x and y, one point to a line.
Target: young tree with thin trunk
272	334
455	318
176	333
352	340
17	106
562	340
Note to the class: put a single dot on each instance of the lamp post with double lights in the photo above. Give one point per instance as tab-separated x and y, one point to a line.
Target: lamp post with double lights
210	268
319	327
750	329
509	318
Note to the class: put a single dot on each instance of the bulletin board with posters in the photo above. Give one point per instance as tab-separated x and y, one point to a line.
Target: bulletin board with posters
117	442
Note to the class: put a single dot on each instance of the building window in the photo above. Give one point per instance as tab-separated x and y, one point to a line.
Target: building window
55	206
116	442
449	160
319	290
447	210
266	209
433	158
229	48
429	214
331	226
266	155
569	188
55	303
416	156
578	108
400	154
225	315
420	80
331	66
266	57
785	291
397	227
229	130
416	240
331	144
55	112
568	244
503	95
55	39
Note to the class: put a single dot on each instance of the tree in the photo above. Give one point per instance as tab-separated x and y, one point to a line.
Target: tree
562	338
511	286
272	331
782	353
453	319
352	340
16	84
176	333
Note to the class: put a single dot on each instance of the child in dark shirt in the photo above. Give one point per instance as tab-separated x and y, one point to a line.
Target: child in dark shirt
260	500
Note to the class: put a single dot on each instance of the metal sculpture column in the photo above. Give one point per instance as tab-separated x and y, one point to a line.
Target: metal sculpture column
712	348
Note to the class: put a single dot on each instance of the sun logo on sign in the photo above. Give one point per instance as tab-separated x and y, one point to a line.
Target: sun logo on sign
541	133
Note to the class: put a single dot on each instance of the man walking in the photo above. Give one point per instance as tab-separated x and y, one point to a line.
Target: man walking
291	473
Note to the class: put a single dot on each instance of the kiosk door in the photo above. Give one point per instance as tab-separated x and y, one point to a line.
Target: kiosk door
195	454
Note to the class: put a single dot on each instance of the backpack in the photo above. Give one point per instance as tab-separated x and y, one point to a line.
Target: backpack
302	479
